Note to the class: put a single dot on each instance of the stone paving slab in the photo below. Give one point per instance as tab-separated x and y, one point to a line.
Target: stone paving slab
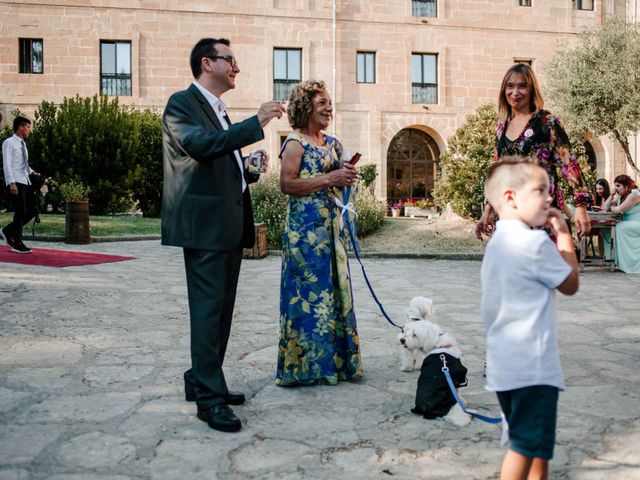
91	362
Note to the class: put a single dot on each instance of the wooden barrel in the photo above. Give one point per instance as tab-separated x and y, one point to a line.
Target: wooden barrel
259	249
77	222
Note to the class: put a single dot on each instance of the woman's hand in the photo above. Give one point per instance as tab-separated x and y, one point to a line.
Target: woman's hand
484	227
581	220
343	177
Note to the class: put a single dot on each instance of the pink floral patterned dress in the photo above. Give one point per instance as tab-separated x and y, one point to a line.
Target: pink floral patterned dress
544	138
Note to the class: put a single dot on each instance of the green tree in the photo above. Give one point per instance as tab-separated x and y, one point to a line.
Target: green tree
464	165
90	138
596	84
115	150
146	176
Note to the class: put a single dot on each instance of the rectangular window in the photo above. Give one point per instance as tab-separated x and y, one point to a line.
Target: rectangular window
524	3
528	61
115	68
30	51
424	78
424	8
287	71
366	67
584	4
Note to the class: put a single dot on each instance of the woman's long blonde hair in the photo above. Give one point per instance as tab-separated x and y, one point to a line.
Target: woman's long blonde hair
536	101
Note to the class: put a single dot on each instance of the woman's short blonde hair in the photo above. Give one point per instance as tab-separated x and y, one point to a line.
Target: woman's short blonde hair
536	101
300	102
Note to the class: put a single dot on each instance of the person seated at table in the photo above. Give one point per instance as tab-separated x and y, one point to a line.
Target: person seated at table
626	200
600	195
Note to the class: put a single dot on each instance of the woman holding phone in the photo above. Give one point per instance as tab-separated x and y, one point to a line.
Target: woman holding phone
318	335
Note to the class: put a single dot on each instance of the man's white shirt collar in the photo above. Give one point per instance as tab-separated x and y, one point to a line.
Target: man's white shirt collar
220	109
216	103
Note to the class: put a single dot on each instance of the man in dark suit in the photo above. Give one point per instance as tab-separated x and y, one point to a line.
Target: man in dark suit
206	209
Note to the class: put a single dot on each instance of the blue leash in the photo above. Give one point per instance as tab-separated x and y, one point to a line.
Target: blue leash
445	369
447	375
356	248
366	279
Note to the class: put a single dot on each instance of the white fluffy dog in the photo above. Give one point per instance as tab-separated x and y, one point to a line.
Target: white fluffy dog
419	336
418	339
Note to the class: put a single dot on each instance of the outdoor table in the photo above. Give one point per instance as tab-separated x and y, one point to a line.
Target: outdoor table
600	220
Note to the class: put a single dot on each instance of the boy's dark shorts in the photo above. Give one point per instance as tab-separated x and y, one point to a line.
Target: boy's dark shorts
531	415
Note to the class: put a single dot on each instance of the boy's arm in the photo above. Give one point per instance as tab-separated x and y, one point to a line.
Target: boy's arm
567	252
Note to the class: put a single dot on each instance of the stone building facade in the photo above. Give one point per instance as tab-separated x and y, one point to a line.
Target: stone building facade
403	73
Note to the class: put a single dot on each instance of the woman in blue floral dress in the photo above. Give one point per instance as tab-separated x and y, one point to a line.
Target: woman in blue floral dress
318	335
526	129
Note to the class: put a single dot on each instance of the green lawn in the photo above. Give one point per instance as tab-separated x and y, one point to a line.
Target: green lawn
398	235
53	224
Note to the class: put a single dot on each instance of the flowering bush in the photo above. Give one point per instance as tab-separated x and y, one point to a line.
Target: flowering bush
270	206
409	202
425	203
370	210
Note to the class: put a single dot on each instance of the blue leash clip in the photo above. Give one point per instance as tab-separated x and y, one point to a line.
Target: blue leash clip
479	416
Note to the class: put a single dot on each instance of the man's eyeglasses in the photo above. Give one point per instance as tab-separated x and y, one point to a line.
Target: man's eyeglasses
228	58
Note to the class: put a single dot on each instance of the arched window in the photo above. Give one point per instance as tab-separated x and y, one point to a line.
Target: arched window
413	163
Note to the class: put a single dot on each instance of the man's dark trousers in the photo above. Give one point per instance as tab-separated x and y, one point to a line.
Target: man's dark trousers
212	280
24	204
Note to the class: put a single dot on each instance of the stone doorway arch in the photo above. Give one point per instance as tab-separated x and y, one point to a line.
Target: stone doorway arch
413	164
592	159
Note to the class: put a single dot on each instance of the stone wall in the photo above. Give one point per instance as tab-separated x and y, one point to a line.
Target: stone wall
476	41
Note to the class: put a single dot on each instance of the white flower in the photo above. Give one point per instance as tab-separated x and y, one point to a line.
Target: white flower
528	133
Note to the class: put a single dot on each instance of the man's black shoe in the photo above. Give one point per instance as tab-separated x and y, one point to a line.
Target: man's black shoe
20	248
6	237
231	398
220	417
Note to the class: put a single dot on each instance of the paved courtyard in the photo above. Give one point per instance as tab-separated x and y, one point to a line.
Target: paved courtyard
91	362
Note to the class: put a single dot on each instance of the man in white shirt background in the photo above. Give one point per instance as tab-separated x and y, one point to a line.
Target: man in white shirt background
15	163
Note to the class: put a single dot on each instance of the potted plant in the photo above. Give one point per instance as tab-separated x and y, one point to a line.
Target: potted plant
76	197
409	207
395	207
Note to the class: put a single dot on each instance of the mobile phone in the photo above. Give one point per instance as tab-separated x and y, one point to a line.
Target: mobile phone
353	160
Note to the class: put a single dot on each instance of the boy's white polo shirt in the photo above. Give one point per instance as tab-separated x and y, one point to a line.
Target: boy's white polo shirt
520	271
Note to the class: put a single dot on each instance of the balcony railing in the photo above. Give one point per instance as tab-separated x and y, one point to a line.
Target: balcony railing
424	8
282	88
424	93
116	85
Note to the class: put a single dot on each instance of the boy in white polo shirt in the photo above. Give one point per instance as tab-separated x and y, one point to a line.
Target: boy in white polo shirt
520	271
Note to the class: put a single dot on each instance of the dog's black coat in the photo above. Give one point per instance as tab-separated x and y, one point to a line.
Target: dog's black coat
434	397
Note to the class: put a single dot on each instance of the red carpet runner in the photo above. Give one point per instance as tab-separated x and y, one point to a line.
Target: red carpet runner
57	258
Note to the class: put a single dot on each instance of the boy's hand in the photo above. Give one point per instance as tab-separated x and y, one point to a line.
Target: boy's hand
556	222
567	251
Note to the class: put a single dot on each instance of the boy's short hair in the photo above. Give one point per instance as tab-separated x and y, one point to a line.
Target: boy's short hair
508	172
19	121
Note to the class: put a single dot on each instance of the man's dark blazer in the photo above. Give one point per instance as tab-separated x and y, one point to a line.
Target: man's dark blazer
203	206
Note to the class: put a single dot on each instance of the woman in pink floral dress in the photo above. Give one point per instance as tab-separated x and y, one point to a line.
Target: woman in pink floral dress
526	129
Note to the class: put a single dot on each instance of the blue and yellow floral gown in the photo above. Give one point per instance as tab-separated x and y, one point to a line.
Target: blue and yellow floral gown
318	335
